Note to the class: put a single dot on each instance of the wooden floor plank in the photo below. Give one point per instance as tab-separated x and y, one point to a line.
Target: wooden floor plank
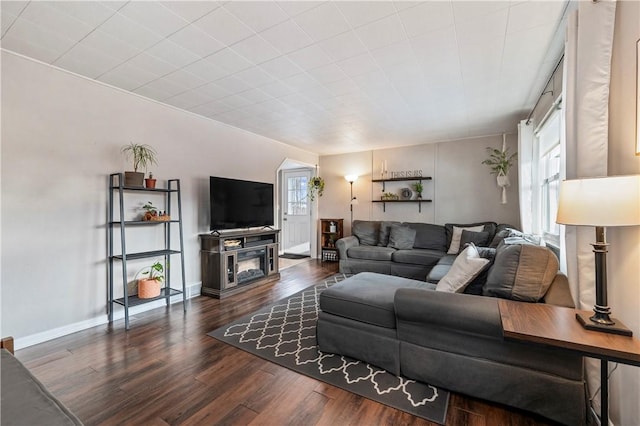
166	371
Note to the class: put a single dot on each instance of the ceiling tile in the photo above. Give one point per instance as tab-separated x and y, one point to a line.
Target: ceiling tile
154	92
488	25
277	89
255	95
172	53
394	54
206	70
322	22
165	86
287	37
113	4
185	79
211	108
281	67
91	13
327	73
236	101
294	8
55	21
127	76
259	15
229	60
13	7
255	76
381	33
223	26
214	91
109	45
343	46
191	10
233	84
124	29
152	64
469	11
300	81
357	65
196	41
153	16
87	61
359	13
32	40
187	100
6	20
310	57
255	49
427	17
526	15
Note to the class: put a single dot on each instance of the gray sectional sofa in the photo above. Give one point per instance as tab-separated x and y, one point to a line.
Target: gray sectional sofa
373	248
455	340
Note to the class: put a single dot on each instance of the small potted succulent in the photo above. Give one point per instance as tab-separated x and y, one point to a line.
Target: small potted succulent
142	156
150	286
419	188
150	182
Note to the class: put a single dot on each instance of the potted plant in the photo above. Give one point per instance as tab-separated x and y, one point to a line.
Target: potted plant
419	188
150	182
142	156
153	214
315	186
150	286
500	163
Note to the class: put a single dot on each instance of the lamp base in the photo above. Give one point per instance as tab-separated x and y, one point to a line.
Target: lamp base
616	328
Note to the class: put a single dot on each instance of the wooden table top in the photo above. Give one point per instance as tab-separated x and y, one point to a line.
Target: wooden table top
558	327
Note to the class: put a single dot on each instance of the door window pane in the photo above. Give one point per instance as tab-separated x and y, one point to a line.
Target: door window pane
297	201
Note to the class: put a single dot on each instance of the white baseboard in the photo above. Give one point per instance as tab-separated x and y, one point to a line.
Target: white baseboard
193	290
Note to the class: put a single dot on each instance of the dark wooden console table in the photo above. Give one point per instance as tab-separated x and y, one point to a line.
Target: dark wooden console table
557	327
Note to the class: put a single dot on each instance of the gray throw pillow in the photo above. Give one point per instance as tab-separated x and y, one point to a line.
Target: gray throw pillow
385	229
479	239
401	237
367	231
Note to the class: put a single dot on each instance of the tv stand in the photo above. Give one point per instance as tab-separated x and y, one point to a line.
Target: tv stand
238	260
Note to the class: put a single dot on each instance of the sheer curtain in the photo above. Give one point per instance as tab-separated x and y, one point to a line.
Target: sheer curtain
525	175
587	70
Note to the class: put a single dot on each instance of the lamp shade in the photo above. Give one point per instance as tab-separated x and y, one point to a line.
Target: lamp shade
351	178
603	201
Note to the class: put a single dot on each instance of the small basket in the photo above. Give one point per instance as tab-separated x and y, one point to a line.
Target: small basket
163	218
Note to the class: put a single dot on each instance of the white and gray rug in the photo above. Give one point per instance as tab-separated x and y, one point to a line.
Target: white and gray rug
285	333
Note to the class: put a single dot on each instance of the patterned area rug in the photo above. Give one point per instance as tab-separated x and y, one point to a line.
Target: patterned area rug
285	333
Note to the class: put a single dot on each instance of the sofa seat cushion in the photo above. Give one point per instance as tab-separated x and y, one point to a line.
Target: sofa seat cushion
417	256
441	268
371	253
367	297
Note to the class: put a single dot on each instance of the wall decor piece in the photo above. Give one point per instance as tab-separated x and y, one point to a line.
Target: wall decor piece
406	194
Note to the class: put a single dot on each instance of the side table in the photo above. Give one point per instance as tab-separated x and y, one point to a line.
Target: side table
557	327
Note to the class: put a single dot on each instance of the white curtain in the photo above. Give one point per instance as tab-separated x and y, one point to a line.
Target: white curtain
525	175
587	69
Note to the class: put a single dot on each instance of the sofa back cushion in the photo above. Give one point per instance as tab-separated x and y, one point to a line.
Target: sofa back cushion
489	227
429	236
521	272
401	237
366	231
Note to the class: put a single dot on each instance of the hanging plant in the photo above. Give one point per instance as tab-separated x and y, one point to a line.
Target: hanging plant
315	186
500	161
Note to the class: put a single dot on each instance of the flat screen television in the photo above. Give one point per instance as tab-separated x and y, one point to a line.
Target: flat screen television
240	203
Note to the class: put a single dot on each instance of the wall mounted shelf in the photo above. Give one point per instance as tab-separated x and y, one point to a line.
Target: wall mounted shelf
404	179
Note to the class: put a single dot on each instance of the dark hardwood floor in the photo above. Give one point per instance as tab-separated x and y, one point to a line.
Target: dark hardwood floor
166	370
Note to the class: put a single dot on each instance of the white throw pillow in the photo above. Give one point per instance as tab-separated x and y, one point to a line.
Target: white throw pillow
454	247
465	268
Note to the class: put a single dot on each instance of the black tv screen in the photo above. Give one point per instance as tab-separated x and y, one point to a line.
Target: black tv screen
240	203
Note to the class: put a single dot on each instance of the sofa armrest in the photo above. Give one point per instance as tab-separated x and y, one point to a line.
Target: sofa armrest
461	312
344	244
559	293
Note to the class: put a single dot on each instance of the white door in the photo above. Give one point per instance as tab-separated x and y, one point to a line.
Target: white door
296	212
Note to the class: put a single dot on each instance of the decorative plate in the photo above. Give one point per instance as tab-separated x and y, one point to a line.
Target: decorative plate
406	194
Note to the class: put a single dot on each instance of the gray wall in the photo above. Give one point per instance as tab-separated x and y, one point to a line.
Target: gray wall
61	136
462	189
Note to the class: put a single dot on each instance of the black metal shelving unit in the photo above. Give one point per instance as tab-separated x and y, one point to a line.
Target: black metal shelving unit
117	188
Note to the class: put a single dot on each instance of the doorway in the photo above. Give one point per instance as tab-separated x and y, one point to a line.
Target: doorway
296	212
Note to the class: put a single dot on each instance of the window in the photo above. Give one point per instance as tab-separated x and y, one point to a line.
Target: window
297	201
548	178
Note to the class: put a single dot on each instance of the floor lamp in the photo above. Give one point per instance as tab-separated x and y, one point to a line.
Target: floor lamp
353	200
600	202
